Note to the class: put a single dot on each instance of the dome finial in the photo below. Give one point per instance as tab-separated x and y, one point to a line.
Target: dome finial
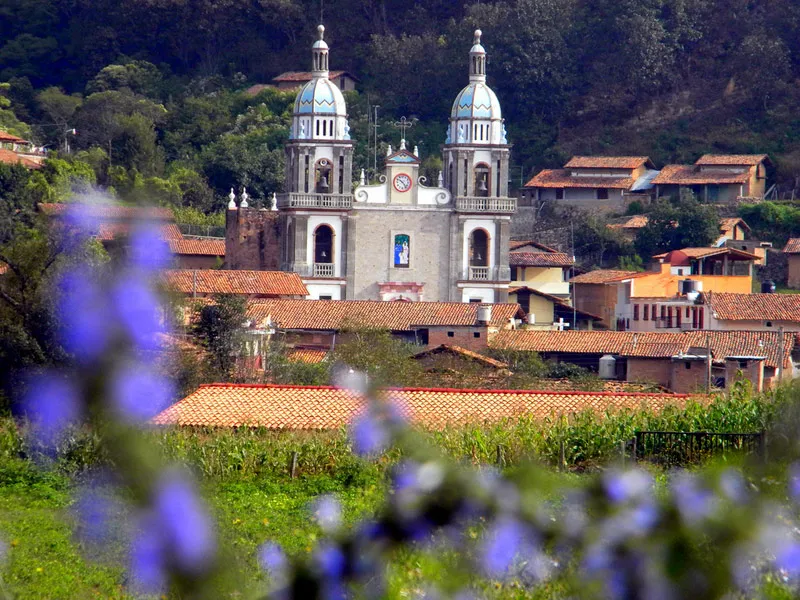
478	34
321	31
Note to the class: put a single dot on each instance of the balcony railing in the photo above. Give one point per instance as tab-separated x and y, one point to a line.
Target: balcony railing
487	274
297	200
480	273
490	205
323	270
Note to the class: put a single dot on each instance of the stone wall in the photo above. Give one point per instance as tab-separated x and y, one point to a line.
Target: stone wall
252	240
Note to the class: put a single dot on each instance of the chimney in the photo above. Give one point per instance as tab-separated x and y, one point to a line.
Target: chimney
484	314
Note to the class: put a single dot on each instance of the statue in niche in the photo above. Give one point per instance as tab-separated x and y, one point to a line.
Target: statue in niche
302	130
462	136
402	251
346	130
504	138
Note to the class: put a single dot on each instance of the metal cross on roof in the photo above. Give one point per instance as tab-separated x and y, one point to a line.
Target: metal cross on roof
404	124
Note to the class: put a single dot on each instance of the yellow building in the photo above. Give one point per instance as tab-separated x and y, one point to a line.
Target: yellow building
539	267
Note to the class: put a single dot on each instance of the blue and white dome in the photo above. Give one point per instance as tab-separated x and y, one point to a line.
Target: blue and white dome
476	118
320	96
476	101
320	112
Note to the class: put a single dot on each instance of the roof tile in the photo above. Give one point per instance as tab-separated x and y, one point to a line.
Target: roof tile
606	276
205	247
792	246
754	307
731	159
561	178
691	175
606	162
214	281
539	259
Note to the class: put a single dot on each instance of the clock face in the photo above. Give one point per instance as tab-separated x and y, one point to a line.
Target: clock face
402	182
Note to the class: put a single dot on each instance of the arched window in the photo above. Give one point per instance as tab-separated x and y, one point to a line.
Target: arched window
323	244
482	179
322	177
478	248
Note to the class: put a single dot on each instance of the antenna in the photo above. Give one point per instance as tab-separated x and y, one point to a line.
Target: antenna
321	10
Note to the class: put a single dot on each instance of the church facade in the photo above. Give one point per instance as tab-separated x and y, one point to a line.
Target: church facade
401	238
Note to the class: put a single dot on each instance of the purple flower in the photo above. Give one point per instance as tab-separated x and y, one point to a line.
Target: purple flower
52	403
147	558
733	485
81	217
84	316
137	308
501	546
794	482
787	558
328	512
368	435
139	393
148	251
95	514
272	559
694	502
330	561
623	486
184	521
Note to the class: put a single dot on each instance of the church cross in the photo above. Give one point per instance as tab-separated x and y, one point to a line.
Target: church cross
561	325
403	124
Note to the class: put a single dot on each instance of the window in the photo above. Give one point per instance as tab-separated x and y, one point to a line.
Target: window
326	297
678	316
742	364
646	316
635	312
475	300
514	276
700	318
602	194
768	323
476	334
402	251
653	314
478	248
451	334
481	180
560	194
687	365
323	244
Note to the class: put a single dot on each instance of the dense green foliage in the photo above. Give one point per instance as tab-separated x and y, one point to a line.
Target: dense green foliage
672	225
155	89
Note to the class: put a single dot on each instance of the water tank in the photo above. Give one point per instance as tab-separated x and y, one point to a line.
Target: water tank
484	314
768	287
531	319
608	367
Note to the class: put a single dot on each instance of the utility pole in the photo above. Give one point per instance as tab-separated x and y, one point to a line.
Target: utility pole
708	363
779	370
375	142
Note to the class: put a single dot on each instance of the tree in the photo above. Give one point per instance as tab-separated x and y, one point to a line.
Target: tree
59	109
138	76
219	330
672	226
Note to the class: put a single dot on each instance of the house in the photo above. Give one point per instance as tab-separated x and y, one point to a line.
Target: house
197	253
539	267
291	80
628	227
716	178
320	323
544	311
454	366
15	150
792	251
315	408
203	283
607	183
619	297
679	361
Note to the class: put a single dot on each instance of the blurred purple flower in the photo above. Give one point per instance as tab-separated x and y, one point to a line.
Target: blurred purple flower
81	217
794	482
694	502
643	517
84	316
368	435
349	379
330	561
137	308
787	558
501	545
148	250
52	403
328	513
94	512
140	393
185	522
272	559
147	560
733	485
624	486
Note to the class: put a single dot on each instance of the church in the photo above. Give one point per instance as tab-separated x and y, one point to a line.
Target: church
402	238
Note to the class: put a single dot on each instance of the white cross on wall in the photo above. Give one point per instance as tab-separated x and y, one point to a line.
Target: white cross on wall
561	324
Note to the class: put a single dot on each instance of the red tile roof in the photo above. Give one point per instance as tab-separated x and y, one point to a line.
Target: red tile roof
109	211
754	307
283	407
539	259
7	137
647	344
12	158
608	162
691	175
307	355
707	252
459	351
302	76
111	231
214	281
792	246
731	160
606	276
203	247
334	315
634	222
517	244
560	178
727	225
